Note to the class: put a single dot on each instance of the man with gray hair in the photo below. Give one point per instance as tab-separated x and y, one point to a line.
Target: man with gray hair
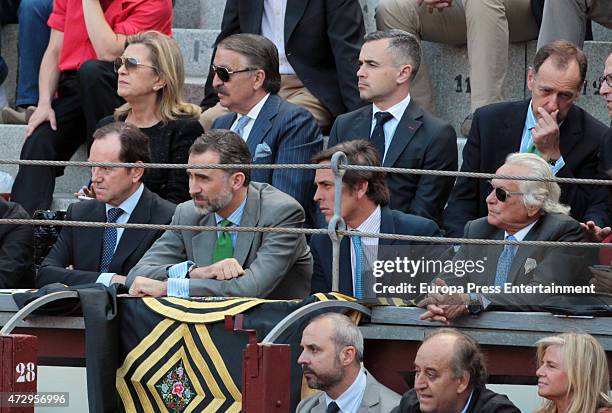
450	378
405	135
331	360
518	210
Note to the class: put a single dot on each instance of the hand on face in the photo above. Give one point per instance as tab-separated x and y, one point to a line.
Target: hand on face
546	135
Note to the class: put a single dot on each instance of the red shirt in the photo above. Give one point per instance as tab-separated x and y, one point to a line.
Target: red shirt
124	17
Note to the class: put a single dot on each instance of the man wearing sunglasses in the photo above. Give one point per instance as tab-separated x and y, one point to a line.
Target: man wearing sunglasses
550	125
517	211
318	43
247	81
77	85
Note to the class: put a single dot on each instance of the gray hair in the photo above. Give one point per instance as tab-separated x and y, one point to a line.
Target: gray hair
538	194
346	333
404	47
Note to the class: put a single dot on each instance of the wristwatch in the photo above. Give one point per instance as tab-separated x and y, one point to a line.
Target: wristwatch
474	305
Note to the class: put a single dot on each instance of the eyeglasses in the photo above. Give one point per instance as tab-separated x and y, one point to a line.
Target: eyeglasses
607	78
129	63
224	73
501	194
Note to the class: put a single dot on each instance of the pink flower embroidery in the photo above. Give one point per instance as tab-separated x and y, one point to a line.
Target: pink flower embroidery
177	389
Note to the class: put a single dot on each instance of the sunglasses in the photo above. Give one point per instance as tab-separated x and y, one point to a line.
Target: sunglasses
501	194
129	63
224	73
607	78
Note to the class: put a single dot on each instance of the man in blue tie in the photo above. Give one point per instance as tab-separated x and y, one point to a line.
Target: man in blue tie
517	211
365	208
105	255
247	81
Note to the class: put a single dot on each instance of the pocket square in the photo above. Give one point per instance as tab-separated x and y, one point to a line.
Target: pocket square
530	265
262	151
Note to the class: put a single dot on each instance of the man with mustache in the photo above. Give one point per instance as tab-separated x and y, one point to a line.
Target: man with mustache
549	125
332	351
247	82
226	263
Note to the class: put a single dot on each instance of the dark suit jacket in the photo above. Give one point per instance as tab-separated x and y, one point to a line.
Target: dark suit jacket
16	248
283	133
421	141
322	43
483	401
82	247
531	265
496	132
391	222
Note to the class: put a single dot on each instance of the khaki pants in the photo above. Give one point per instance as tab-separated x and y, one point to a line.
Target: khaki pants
566	19
292	90
487	26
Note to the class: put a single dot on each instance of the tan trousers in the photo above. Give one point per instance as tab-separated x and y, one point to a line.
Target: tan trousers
487	26
292	90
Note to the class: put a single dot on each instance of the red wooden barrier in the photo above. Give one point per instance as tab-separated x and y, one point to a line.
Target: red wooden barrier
18	372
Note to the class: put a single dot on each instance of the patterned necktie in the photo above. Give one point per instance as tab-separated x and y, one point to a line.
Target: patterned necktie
242	122
332	408
504	262
358	266
223	247
109	239
378	134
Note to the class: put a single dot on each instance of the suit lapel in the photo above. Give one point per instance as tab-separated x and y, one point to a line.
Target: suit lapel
254	10
570	133
371	396
362	125
250	218
320	407
524	252
131	238
492	252
226	122
263	123
294	12
83	247
405	131
345	283
387	226
204	242
510	135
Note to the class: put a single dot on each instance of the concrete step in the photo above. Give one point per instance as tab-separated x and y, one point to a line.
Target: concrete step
11	139
8	49
197	47
198	14
194	89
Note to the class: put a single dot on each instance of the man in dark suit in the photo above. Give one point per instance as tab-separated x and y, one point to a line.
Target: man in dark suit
332	352
550	125
450	377
318	43
405	135
365	199
517	211
105	255
16	248
276	131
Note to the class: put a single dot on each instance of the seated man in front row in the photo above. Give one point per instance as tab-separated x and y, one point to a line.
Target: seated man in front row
106	255
522	211
365	200
450	376
234	264
332	352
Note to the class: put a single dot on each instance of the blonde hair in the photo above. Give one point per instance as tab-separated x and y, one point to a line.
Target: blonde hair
166	57
581	353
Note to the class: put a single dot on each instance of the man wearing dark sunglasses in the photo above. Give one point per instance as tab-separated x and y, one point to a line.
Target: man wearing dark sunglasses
318	43
517	211
550	125
247	81
78	85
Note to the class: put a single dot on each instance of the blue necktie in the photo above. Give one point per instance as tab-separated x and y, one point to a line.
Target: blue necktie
504	262
109	239
378	134
242	122
358	266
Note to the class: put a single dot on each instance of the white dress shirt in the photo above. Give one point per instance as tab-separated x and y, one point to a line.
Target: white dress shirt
252	115
390	126
350	400
273	27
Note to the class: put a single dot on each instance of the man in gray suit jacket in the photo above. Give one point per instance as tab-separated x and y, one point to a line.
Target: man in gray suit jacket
331	360
225	263
518	211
